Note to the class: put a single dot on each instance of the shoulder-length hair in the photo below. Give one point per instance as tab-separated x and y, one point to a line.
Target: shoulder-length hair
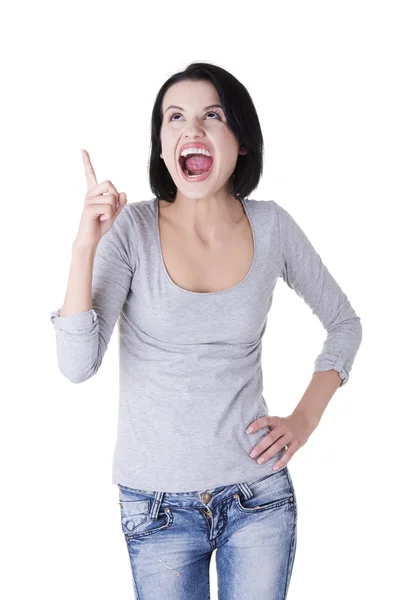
242	119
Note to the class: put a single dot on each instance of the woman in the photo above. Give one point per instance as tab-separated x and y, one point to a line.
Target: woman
190	274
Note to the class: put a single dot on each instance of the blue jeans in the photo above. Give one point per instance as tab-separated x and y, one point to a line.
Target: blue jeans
171	537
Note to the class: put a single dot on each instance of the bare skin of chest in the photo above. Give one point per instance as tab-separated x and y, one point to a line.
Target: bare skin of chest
206	266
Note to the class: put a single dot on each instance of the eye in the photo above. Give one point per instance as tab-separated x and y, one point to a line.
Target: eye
209	113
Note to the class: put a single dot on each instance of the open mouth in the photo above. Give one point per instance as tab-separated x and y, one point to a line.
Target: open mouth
189	176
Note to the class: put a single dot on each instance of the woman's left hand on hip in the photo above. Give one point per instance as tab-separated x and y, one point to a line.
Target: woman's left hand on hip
290	432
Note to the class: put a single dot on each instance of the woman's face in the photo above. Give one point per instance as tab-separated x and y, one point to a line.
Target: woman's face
197	120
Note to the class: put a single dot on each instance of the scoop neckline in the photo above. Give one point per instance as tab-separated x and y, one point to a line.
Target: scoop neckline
230	289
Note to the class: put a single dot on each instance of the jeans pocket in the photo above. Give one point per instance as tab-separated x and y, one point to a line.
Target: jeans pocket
135	514
272	491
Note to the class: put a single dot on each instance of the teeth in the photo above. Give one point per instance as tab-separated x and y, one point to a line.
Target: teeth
187	151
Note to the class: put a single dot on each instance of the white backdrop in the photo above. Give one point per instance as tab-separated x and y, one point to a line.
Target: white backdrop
324	79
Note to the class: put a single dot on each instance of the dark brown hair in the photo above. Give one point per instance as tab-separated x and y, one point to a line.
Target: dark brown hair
241	117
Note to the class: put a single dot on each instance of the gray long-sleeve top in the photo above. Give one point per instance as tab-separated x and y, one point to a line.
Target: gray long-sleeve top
190	362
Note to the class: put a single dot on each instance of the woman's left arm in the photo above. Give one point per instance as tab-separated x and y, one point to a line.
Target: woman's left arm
304	272
315	399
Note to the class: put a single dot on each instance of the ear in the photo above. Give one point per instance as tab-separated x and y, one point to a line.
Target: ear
242	150
161	156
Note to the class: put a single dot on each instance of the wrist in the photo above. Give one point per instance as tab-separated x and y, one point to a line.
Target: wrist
309	420
82	249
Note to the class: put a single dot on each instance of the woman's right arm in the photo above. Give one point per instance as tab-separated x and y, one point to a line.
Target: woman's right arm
100	276
78	297
99	283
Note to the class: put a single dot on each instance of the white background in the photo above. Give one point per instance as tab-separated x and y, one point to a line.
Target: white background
324	79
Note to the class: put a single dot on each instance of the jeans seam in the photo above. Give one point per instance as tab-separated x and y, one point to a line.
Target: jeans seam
135	590
290	557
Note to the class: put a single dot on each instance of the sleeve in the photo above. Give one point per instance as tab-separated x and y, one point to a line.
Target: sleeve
305	273
82	338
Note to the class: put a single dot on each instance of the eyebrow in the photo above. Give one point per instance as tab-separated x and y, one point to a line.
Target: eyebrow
180	108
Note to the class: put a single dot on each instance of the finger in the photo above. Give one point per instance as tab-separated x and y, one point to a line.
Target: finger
103	188
255	425
283	461
89	171
264	444
95	203
272	450
100	209
267	442
263	421
121	200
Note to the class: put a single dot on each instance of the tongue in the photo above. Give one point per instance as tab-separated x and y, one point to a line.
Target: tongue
198	164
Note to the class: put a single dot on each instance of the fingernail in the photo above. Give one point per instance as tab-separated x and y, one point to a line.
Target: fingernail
249	430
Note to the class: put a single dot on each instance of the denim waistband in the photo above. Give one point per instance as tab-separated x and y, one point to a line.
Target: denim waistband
207	498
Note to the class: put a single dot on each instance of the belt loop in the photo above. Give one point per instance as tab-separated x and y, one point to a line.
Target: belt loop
155	505
246	490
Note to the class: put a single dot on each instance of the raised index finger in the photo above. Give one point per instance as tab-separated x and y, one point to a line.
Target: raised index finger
89	171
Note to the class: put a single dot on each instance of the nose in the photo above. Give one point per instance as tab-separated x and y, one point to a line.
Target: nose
192	134
193	127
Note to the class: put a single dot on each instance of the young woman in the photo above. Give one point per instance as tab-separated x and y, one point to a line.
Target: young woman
190	274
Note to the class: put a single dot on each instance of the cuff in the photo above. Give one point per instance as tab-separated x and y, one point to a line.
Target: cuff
336	362
76	323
